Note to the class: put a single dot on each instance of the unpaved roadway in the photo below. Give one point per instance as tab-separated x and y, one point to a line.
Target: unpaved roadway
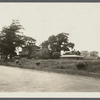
26	80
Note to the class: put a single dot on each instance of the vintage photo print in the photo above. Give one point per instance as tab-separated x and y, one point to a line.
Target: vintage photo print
49	49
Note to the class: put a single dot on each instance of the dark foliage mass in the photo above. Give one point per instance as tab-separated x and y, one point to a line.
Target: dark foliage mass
11	37
81	65
57	43
55	55
43	54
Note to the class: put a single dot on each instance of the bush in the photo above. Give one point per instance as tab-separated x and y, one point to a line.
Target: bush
56	55
17	61
43	54
38	63
81	65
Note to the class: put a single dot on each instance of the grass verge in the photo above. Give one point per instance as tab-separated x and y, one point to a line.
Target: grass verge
59	66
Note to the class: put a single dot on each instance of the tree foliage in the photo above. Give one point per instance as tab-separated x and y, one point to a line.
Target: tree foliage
89	54
58	43
56	55
94	54
85	53
28	41
10	38
45	44
43	54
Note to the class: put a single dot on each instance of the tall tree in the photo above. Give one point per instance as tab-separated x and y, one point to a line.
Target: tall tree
45	44
94	54
59	42
10	39
85	53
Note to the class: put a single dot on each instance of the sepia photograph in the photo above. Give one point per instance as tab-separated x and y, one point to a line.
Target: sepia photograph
49	47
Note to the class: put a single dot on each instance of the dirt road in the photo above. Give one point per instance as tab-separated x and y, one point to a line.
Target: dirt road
25	80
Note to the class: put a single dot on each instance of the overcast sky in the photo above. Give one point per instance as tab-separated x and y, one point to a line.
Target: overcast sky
41	20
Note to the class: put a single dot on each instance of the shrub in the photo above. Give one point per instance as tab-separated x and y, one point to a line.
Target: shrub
37	63
56	55
81	65
43	54
17	61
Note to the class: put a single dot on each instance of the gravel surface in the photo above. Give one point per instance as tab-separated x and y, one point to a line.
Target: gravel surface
14	79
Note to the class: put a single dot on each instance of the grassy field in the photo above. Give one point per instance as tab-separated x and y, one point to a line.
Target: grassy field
60	66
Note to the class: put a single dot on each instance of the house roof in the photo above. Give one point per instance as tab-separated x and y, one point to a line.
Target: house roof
72	56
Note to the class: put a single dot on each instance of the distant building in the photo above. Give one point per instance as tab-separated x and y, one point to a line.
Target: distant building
27	50
70	55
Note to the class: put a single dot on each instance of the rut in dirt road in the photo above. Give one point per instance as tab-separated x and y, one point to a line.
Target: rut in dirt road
25	80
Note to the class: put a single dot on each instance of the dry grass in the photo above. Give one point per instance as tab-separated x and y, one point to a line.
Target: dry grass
60	66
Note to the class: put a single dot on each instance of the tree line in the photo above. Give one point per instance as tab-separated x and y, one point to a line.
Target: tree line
12	38
52	47
87	54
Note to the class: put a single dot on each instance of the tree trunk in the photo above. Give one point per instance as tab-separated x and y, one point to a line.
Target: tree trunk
10	56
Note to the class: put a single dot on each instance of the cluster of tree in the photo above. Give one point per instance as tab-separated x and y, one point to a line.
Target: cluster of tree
51	48
11	38
90	54
58	43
